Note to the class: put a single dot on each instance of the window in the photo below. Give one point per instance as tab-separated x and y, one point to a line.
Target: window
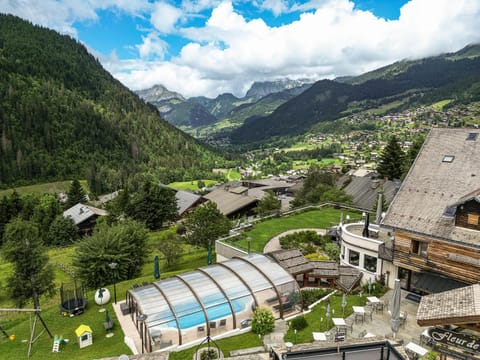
343	252
419	248
370	263
472	219
353	258
448	158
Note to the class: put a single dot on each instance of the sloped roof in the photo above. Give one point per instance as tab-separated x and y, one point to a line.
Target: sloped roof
457	306
229	203
82	329
292	260
80	213
433	184
325	269
349	278
185	200
364	190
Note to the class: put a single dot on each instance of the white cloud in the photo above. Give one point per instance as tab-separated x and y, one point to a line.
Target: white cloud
231	48
152	46
277	7
165	16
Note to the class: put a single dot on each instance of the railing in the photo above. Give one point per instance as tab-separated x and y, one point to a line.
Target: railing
385	252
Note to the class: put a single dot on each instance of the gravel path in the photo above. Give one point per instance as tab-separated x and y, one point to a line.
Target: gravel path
274	243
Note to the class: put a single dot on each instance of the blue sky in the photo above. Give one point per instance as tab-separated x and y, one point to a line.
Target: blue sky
209	47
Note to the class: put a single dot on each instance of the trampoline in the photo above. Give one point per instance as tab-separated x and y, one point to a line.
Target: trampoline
73	299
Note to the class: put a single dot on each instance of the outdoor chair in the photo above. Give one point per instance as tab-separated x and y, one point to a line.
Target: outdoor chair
362	333
369	312
386	303
349	323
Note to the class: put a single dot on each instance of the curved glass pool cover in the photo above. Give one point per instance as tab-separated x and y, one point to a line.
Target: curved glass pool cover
212	299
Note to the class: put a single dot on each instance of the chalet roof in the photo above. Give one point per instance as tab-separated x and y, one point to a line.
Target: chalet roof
229	203
364	190
474	195
185	200
238	189
457	306
292	260
434	182
325	269
80	213
349	278
271	184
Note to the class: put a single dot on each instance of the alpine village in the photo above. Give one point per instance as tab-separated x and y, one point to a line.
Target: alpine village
330	219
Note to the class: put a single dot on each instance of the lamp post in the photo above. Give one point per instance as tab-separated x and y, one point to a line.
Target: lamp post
113	266
141	319
249	240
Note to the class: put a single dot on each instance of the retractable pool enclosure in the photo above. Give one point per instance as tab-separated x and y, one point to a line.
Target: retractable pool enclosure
211	300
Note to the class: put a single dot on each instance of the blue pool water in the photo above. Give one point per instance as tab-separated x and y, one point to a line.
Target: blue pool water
214	313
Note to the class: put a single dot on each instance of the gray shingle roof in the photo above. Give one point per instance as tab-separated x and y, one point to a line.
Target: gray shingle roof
365	189
292	260
433	184
227	202
185	200
80	212
455	306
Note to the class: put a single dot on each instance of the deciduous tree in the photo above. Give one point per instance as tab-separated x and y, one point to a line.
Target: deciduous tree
123	243
206	224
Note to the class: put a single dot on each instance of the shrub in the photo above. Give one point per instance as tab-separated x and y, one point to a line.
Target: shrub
310	296
263	321
299	323
208	354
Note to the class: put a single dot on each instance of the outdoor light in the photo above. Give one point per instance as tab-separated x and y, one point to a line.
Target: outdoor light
249	239
113	266
141	319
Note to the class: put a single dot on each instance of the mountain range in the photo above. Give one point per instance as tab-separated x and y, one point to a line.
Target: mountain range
287	107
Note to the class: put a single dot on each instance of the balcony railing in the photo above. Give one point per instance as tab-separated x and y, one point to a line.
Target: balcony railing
385	252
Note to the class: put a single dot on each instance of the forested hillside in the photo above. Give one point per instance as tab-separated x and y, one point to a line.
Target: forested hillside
453	76
63	116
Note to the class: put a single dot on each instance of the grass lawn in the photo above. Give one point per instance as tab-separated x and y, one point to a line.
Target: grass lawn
19	324
264	231
51	188
438	106
191	185
317	320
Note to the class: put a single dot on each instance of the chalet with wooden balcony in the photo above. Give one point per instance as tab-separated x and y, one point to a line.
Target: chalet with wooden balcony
434	217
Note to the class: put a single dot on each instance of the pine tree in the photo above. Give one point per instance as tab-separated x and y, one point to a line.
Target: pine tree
32	276
391	160
75	194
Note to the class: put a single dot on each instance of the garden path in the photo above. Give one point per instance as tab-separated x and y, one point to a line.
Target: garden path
274	243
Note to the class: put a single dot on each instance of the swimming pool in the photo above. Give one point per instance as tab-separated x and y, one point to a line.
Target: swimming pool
214	313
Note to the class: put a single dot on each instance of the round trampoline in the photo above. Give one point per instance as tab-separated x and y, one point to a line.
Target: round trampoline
73	299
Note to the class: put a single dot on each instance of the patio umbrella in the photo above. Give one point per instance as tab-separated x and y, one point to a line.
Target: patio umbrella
395	308
327	314
367	224
156	268
369	285
210	255
344	303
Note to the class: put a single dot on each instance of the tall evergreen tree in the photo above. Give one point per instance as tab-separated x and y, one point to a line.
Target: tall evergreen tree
390	164
32	276
75	194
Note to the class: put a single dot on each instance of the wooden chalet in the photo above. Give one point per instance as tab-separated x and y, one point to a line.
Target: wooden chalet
233	201
435	214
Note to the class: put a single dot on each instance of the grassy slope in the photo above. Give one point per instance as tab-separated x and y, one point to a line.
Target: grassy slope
50	188
191	185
